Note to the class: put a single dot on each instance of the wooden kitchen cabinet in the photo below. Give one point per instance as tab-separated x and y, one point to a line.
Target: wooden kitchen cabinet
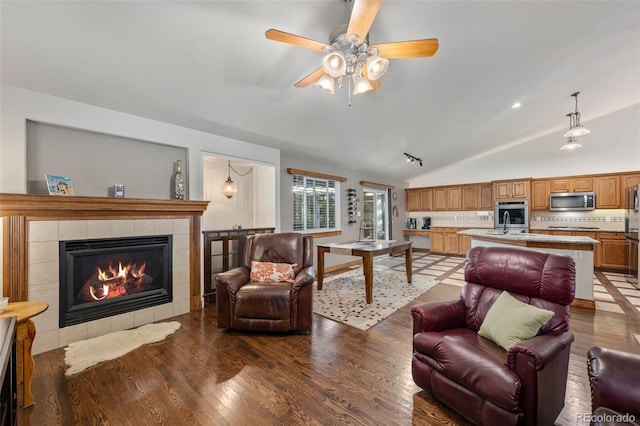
440	198
486	197
470	197
627	180
412	200
613	253
464	244
454	198
451	241
426	199
437	240
511	189
540	195
577	184
607	189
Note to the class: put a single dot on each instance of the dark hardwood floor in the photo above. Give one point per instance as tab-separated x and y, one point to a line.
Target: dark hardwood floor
337	375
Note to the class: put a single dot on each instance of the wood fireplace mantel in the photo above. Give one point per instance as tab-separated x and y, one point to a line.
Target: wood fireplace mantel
18	209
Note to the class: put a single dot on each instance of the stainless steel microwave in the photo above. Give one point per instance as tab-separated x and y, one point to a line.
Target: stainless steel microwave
572	201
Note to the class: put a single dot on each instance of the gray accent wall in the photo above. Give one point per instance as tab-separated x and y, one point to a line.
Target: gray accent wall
97	161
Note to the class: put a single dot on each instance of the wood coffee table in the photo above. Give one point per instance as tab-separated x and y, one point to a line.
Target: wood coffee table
367	251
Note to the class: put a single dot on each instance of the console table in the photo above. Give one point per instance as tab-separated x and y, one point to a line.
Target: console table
222	251
26	332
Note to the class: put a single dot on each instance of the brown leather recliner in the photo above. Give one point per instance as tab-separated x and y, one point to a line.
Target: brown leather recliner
479	379
269	306
614	379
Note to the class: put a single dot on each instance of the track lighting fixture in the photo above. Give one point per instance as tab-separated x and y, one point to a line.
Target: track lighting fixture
412	159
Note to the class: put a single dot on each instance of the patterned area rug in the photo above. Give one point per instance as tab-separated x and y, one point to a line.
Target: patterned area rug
342	297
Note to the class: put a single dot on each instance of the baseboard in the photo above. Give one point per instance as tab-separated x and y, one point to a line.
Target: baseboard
584	303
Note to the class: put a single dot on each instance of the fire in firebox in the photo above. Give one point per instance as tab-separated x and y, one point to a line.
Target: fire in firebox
112	282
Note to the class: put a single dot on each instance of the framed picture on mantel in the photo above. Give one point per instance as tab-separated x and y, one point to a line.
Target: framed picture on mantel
59	185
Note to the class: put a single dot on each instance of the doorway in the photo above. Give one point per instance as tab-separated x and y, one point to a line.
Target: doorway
375	214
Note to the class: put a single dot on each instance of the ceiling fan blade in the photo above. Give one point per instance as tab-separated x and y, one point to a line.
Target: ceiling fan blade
310	79
362	16
408	49
295	40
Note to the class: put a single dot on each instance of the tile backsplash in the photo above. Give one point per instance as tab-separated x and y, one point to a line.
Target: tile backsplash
603	219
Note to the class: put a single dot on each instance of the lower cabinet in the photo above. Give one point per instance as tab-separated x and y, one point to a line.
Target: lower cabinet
447	241
613	251
437	240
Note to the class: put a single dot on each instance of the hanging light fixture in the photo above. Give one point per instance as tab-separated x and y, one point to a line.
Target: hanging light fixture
571	144
576	129
229	189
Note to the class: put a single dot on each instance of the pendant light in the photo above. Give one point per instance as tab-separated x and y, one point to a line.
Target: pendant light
229	189
571	144
576	129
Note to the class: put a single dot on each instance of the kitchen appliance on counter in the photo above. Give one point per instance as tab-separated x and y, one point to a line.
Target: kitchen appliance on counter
513	214
631	220
426	223
572	201
412	223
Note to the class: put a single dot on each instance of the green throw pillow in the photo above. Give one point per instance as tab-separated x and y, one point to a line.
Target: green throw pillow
510	321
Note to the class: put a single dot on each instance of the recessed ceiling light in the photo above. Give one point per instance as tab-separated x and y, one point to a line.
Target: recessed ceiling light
516	105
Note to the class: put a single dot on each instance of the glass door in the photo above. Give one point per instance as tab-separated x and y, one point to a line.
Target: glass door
375	215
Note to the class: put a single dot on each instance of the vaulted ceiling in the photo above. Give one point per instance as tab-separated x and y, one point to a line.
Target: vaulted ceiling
208	66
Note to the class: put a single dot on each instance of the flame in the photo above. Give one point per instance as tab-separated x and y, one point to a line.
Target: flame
115	279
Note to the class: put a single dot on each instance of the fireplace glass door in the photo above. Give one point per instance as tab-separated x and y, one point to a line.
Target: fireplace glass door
105	277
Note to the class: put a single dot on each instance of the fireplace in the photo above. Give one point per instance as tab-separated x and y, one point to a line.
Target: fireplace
110	276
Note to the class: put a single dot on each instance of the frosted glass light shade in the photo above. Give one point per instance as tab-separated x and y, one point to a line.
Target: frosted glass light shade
570	145
577	131
334	64
229	189
376	66
326	83
361	85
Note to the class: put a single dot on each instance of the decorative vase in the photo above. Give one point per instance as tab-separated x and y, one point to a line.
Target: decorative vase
178	190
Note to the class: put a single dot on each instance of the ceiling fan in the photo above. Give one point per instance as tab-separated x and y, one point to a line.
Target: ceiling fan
349	55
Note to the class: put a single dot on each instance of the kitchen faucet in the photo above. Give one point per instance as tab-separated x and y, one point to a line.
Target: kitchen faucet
506	220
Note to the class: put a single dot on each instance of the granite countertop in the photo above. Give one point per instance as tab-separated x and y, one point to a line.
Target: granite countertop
528	237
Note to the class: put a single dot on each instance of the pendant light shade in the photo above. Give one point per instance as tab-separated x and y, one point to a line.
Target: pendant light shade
376	66
571	144
361	85
229	188
335	64
326	83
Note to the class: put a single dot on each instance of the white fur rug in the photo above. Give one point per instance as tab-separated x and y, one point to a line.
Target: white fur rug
342	297
86	353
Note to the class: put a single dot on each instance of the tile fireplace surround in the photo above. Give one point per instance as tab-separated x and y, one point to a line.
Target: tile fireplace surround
33	225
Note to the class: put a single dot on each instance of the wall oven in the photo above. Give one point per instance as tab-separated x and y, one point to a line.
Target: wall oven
514	213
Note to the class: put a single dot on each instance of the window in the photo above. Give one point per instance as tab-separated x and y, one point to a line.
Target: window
315	203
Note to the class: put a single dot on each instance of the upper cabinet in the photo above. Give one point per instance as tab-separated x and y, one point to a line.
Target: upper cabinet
450	198
607	189
578	184
540	194
511	189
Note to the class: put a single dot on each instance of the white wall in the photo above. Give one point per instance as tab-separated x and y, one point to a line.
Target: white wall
612	146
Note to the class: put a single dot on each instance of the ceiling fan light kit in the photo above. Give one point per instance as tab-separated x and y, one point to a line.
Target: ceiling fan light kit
576	129
349	54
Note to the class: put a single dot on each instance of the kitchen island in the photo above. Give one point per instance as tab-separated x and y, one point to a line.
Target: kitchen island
577	247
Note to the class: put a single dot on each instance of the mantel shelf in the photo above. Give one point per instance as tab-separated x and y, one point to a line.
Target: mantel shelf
43	207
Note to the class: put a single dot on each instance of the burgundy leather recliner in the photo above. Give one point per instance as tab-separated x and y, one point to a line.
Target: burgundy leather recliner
614	380
474	376
258	306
